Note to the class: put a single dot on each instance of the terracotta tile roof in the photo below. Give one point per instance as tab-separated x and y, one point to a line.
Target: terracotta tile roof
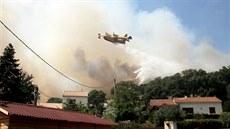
161	102
174	101
75	94
197	100
11	109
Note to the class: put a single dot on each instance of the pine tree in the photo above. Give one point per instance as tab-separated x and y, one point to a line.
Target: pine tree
15	85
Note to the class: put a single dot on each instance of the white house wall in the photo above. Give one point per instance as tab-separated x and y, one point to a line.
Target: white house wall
202	107
83	100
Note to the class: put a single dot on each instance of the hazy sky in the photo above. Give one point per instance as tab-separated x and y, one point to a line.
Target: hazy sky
168	37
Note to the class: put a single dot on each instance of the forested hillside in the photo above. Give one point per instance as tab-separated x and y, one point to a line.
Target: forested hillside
130	101
190	83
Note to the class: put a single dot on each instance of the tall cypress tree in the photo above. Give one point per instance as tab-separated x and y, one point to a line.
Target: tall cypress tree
15	85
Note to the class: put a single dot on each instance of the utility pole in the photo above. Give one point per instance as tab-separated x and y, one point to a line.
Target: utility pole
35	95
114	87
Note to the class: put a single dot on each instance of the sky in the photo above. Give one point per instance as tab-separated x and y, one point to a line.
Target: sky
208	18
169	36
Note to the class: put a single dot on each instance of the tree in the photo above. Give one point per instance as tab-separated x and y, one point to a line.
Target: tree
27	89
195	81
225	117
167	113
127	101
15	84
155	90
225	74
71	105
110	113
96	100
54	100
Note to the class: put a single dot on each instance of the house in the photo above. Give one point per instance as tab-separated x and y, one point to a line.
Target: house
51	105
161	102
24	116
75	96
206	105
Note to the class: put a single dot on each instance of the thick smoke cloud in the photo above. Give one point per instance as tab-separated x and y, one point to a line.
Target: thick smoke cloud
102	70
65	34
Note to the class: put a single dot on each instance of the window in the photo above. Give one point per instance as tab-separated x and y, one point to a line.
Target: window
188	110
212	110
71	101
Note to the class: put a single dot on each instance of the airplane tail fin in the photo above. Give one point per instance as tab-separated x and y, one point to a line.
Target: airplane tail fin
99	35
130	37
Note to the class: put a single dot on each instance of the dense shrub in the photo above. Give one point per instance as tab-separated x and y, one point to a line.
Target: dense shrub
202	116
127	125
198	116
166	113
211	116
225	117
133	125
200	124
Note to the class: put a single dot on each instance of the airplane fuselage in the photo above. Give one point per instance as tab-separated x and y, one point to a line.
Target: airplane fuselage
115	38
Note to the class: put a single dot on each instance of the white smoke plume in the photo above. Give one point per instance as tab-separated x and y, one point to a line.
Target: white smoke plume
65	34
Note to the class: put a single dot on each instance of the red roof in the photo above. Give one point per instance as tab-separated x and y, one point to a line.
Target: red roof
161	102
50	113
197	100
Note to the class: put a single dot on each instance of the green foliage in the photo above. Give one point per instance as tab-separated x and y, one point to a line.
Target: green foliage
127	101
201	116
200	124
15	84
71	105
225	117
54	100
190	82
110	113
228	91
155	90
166	113
198	116
127	125
96	100
133	125
224	75
226	106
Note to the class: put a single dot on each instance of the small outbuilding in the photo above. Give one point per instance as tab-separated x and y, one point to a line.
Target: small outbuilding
24	116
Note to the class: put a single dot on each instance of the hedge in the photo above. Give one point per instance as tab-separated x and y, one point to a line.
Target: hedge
200	124
202	116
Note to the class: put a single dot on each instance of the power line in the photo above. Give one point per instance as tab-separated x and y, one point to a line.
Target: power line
45	94
55	69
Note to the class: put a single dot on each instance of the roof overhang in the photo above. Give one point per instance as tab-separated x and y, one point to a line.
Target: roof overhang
4	111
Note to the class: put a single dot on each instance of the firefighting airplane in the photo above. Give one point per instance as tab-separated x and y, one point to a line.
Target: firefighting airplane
114	38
